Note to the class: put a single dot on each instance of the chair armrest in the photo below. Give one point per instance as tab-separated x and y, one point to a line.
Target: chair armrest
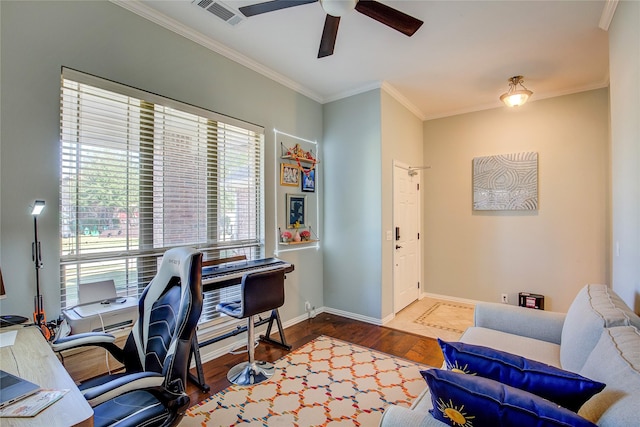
526	322
93	339
395	416
79	340
126	383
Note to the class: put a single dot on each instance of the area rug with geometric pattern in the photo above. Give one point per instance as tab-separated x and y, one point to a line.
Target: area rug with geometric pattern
326	382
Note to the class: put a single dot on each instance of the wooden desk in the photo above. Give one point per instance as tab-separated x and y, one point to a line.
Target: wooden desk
31	358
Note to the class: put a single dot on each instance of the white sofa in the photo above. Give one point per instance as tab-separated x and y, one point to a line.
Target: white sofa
598	338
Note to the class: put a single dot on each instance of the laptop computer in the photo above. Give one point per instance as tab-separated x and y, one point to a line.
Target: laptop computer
96	291
14	388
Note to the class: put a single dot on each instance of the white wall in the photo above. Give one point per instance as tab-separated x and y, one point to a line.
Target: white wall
624	70
553	251
100	38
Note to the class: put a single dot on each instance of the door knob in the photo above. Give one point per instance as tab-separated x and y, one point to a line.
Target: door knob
398	247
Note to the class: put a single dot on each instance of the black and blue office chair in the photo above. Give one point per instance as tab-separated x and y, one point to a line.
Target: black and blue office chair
151	390
261	291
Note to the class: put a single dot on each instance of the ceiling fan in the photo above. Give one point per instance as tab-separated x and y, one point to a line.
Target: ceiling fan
389	16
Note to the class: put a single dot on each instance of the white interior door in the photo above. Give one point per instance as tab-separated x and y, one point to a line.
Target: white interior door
406	218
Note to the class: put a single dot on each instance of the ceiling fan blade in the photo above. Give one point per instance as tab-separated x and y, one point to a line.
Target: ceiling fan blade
395	19
329	35
270	6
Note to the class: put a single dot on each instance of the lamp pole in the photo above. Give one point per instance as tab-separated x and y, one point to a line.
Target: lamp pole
37	259
36	254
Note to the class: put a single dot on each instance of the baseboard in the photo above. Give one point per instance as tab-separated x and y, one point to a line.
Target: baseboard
388	319
353	316
211	352
239	341
448	298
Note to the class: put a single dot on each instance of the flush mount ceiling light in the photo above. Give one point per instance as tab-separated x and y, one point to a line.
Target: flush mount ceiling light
515	97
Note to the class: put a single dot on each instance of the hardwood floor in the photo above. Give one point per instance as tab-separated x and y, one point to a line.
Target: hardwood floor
406	345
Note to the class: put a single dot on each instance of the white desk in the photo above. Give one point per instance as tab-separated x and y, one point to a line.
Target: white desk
31	358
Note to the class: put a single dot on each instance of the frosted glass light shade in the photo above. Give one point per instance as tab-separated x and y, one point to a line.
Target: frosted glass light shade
516	98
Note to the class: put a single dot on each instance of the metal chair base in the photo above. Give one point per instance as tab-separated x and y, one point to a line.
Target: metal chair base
246	373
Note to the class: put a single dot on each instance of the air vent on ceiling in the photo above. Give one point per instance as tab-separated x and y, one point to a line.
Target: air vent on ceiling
221	10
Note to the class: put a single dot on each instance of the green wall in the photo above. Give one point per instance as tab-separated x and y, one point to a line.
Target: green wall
37	39
364	134
352	200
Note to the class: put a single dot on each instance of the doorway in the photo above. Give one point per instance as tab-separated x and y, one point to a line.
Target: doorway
406	238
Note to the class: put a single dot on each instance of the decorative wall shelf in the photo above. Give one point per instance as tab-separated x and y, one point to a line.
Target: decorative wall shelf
299	243
296	160
300	159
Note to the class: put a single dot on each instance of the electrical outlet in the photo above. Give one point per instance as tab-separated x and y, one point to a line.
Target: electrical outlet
505	299
307	306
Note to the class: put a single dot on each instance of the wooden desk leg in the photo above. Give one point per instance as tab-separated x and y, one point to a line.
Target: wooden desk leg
267	336
195	352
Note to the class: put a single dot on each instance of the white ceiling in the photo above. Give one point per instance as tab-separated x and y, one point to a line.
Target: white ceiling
458	61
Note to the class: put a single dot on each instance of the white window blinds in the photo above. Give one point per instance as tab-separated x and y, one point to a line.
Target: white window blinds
141	174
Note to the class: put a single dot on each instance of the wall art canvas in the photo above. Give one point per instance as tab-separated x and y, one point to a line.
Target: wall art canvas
289	174
505	182
297	210
308	181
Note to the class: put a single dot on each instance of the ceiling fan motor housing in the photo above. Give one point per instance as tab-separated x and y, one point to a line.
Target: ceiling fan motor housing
338	8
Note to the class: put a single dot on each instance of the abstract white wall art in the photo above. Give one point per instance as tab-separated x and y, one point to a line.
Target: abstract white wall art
505	182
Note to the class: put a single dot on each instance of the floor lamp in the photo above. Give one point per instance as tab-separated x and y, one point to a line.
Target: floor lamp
36	254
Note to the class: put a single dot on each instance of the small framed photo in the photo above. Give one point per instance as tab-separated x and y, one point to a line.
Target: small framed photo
289	175
296	210
309	181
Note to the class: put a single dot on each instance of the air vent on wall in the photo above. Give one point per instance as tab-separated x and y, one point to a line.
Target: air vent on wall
221	10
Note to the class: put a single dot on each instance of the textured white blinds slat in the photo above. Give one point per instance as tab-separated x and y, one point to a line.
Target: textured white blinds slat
141	174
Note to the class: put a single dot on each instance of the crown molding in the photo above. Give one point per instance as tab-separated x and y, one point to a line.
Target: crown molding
391	90
385	86
351	92
607	14
538	97
179	28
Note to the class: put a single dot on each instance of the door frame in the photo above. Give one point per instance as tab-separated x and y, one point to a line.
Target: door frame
398	165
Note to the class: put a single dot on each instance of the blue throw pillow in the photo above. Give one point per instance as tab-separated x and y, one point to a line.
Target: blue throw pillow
470	401
565	388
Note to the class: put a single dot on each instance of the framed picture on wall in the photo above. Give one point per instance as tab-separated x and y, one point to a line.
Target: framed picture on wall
309	181
505	182
296	210
289	175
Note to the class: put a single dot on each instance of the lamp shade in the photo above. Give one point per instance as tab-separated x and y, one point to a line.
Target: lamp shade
38	206
515	96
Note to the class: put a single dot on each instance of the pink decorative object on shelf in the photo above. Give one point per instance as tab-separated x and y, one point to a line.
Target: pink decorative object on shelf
285	236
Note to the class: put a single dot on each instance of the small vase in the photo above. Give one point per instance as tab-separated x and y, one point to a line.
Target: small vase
296	237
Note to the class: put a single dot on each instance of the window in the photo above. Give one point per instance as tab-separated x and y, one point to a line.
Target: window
141	174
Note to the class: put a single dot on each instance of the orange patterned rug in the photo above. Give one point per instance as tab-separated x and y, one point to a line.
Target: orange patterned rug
326	382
